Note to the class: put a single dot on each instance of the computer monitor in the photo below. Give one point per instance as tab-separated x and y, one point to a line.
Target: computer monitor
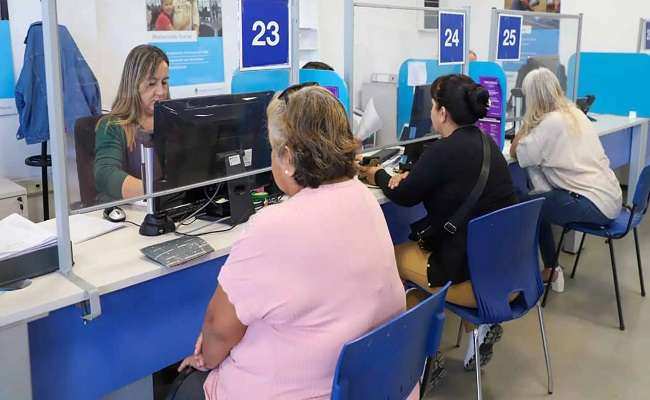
200	139
420	122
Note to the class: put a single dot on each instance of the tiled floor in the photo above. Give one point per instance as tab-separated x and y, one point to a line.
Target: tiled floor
591	358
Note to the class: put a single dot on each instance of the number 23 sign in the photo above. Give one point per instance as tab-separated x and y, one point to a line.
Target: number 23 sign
265	34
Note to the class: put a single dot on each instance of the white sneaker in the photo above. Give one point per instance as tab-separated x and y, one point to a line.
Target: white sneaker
488	335
558	284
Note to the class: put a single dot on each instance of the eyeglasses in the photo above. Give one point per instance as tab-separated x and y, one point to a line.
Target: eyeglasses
284	96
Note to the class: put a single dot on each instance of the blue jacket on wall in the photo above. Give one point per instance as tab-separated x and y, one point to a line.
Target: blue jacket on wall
81	97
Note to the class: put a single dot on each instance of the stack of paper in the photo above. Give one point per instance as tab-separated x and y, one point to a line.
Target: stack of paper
20	236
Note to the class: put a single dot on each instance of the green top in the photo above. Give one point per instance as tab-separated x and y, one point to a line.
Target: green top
110	161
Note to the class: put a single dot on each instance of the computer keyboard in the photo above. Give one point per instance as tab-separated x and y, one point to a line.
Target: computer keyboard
177	251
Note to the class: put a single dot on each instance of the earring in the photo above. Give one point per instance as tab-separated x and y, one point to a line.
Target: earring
286	172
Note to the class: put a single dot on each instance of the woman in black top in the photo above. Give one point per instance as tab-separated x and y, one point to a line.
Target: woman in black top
442	179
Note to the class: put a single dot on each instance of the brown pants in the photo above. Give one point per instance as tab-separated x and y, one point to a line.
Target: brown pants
412	264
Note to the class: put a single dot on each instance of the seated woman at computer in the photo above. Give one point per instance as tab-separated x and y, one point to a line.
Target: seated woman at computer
442	179
119	133
567	164
308	274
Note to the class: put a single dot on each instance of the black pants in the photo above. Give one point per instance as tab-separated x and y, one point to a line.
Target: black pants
188	385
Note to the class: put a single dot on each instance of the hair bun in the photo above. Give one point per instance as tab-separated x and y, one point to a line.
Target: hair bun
479	101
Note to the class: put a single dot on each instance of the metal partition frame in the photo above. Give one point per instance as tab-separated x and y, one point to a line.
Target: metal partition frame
348	37
494	35
642	32
53	77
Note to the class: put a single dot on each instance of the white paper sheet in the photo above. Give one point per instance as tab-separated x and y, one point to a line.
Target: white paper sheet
417	73
370	122
83	227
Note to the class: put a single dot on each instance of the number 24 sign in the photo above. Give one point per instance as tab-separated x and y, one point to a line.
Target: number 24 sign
265	34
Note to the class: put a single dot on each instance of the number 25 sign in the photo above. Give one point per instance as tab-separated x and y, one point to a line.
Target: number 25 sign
265	34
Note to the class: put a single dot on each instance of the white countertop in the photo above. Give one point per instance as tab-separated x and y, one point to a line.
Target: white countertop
113	261
10	189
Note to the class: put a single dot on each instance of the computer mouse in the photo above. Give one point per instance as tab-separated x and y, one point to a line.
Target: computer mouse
114	214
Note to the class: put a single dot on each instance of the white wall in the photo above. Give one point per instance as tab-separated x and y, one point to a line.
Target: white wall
22	13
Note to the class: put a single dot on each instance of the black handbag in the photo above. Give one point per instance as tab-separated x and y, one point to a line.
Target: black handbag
422	230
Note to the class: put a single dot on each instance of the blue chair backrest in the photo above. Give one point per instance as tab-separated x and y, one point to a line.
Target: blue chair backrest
502	259
642	191
387	362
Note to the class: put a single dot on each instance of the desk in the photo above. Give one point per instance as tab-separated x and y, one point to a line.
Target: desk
150	315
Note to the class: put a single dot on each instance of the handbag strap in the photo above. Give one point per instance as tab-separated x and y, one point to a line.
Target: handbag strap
461	214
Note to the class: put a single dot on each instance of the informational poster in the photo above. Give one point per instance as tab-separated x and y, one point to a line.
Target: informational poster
492	124
7	102
551	6
190	32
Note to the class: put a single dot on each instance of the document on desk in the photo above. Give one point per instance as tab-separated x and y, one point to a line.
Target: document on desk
20	236
83	227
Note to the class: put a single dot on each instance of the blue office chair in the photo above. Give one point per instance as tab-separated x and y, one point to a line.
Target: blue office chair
387	362
629	218
499	268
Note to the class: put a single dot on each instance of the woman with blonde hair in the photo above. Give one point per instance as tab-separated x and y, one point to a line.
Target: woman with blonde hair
289	296
559	142
119	133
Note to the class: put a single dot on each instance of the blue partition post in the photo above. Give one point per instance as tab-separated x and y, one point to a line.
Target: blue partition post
278	79
489	72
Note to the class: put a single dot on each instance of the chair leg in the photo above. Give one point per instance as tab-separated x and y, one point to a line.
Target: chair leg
555	264
479	390
425	377
460	333
638	262
575	264
615	275
547	355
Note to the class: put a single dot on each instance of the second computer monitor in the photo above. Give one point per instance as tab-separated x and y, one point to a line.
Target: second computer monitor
194	137
420	122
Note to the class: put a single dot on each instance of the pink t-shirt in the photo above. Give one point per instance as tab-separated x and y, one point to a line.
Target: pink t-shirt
307	276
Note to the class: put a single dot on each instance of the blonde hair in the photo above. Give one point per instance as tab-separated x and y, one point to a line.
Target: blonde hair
544	95
140	65
164	2
313	124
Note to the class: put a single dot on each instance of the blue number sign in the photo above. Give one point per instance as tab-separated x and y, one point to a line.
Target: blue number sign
451	40
265	34
509	40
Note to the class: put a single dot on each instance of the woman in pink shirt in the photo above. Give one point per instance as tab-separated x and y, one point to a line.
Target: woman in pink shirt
307	275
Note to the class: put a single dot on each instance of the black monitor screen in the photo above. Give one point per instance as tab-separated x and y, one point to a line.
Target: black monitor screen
420	123
194	136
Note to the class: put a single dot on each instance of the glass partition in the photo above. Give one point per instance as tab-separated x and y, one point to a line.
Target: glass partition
161	130
547	40
394	66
